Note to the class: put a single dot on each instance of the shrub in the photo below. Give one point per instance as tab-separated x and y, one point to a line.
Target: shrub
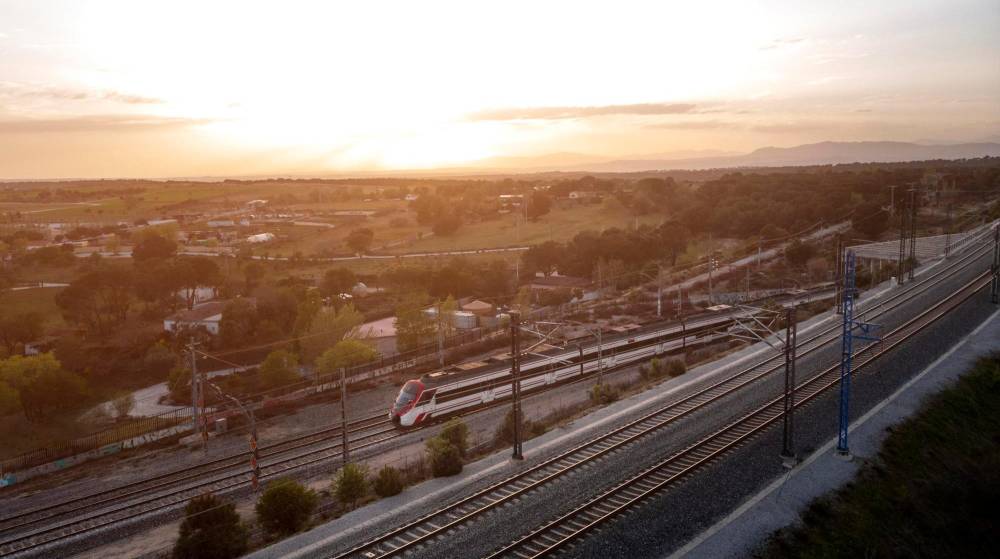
388	482
456	432
123	405
505	431
350	484
285	507
604	393
279	368
444	457
210	530
676	367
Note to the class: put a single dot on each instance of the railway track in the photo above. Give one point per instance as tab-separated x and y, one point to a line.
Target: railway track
38	528
438	523
583	519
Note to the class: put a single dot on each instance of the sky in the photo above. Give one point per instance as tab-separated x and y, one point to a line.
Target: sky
177	88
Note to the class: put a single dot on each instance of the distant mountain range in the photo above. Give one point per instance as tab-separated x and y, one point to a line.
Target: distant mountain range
823	153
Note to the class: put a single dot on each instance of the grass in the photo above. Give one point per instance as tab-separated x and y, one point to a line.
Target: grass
931	492
39	300
561	224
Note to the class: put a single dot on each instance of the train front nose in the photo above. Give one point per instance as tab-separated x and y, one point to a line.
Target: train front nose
396	420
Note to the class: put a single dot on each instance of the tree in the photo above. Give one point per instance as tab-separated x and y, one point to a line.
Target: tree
98	300
210	530
328	327
673	240
279	368
252	274
156	283
153	246
336	281
446	224
179	384
159	358
798	253
445	316
123	405
413	326
45	389
351	483
871	221
18	329
456	432
346	354
522	302
8	399
445	458
239	322
539	204
388	482
285	507
544	258
192	273
360	240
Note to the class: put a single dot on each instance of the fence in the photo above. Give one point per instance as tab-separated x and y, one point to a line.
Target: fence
424	355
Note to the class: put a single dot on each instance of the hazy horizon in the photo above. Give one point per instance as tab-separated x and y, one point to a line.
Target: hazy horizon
158	89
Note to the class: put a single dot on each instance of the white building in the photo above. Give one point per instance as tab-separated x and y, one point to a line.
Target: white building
207	316
260	238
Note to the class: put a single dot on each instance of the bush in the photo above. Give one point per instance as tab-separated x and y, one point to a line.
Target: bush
388	482
210	530
676	367
444	457
279	368
604	393
456	432
505	432
285	507
123	405
351	484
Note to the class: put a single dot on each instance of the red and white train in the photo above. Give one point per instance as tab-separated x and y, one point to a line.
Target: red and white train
433	397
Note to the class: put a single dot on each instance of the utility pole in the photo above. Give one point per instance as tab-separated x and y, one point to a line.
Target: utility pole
839	274
345	450
254	454
748	283
947	238
900	262
711	265
195	413
440	335
892	199
515	378
911	261
846	353
659	291
995	283
788	424
847	338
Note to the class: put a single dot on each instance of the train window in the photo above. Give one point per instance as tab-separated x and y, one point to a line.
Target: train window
408	393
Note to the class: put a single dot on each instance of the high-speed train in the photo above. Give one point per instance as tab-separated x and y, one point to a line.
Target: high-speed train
433	397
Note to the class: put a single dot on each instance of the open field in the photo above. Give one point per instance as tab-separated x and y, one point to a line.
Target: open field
561	224
38	300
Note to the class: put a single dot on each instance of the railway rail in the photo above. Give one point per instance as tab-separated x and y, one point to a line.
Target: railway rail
557	534
39	528
438	523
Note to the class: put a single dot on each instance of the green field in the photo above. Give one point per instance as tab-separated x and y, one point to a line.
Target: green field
561	224
40	300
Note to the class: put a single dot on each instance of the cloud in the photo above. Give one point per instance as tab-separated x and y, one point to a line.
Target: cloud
23	91
96	123
130	99
560	113
692	125
781	43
